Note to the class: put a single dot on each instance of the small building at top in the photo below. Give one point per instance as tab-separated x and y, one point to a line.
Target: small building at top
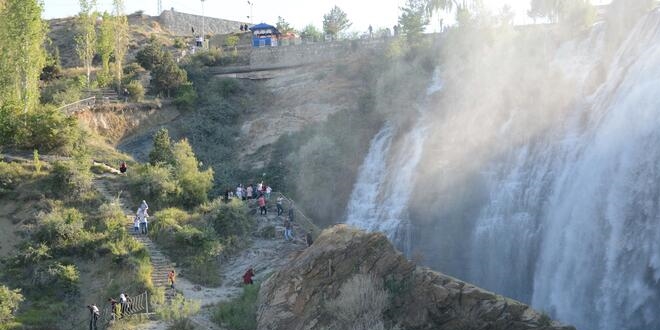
264	35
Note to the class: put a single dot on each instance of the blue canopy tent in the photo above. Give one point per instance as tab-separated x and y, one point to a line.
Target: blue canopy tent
264	35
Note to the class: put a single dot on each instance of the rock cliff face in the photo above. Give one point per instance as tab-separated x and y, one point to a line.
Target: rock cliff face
301	295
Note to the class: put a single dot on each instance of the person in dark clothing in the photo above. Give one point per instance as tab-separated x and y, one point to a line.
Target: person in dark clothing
309	239
247	277
94	316
113	308
123	167
291	213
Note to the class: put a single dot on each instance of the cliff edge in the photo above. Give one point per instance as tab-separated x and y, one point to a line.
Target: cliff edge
352	279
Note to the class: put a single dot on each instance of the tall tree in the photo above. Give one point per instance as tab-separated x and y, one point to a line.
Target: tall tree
105	47
335	22
22	55
86	38
121	38
311	33
413	19
283	26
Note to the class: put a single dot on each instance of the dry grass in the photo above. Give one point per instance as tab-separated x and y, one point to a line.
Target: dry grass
360	304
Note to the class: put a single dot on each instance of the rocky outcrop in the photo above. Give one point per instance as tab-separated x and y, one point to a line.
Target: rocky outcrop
299	295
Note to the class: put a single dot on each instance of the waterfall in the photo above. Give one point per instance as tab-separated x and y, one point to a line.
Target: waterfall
572	223
570	219
385	180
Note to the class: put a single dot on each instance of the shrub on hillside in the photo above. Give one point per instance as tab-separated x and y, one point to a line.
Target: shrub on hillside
63	231
186	97
240	313
178	308
150	56
161	153
154	183
135	90
71	179
230	219
9	302
195	184
11	174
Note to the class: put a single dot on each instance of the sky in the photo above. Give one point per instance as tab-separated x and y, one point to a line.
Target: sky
377	13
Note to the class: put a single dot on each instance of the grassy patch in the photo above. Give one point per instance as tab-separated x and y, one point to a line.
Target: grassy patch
240	313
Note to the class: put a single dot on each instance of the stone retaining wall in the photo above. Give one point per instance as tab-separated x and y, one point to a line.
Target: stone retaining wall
181	24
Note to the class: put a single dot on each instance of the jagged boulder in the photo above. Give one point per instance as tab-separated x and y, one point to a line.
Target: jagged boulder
304	294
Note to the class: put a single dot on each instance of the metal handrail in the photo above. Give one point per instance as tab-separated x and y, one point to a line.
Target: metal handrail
311	227
86	102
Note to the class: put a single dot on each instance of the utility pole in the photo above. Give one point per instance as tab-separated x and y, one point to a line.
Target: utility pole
160	7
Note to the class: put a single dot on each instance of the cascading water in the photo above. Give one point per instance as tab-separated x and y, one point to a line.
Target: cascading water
380	196
571	219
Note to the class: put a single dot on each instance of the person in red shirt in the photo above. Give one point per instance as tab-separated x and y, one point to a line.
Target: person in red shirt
247	277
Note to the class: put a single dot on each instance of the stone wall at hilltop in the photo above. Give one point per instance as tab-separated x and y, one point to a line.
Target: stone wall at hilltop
181	24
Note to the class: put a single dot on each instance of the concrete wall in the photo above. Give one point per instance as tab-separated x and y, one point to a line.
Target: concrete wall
181	23
311	53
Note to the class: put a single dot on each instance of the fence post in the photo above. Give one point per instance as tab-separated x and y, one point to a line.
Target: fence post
146	303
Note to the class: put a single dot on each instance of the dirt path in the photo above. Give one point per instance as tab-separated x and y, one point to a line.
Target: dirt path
265	255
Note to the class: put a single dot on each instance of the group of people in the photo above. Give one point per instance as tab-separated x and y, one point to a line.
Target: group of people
118	308
140	222
250	192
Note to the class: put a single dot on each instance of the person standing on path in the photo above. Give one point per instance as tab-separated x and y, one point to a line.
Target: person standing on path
144	223
269	190
262	205
247	277
171	278
291	212
136	224
288	230
280	209
249	192
309	239
94	316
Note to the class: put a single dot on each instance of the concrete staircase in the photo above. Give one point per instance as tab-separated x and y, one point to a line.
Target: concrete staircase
160	263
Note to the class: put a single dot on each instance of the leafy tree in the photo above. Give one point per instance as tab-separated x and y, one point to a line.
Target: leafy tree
86	38
413	20
571	12
150	56
22	55
120	46
310	32
335	22
283	26
168	77
105	45
194	183
162	150
9	302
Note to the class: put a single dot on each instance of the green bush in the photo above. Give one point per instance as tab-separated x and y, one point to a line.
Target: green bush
240	313
231	219
11	174
178	308
9	302
60	228
186	97
71	179
154	183
135	90
150	56
195	184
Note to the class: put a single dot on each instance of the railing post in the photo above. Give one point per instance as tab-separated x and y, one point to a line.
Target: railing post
146	303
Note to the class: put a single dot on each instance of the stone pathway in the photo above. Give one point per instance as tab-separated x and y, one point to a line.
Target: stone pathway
265	255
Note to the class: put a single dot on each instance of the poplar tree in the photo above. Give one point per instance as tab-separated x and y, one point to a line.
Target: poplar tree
86	38
22	54
121	38
105	45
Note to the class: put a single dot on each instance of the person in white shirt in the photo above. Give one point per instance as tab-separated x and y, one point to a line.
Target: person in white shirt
268	191
144	222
